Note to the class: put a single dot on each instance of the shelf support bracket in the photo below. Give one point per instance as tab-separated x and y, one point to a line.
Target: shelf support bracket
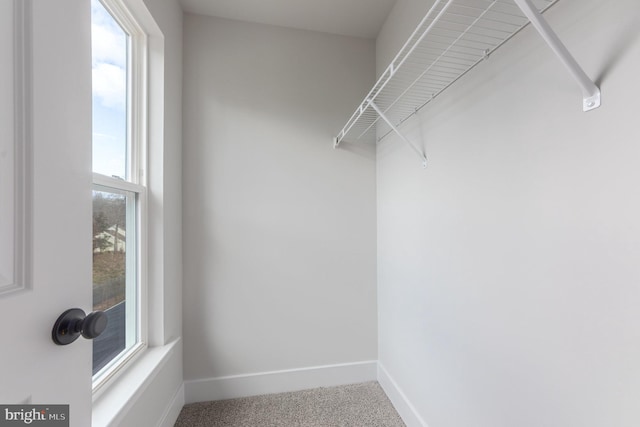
590	92
402	137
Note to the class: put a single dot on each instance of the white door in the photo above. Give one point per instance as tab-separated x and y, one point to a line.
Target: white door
45	201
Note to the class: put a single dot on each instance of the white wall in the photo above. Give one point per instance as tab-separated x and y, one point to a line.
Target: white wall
166	205
508	270
279	228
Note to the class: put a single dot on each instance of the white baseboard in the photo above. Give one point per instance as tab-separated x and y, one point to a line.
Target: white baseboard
407	411
231	387
170	415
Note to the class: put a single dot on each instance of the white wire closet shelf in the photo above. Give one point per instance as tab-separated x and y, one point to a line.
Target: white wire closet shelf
452	38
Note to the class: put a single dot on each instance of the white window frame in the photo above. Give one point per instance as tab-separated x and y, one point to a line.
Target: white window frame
136	182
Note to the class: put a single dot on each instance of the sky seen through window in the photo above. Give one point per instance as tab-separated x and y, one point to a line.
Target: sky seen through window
109	44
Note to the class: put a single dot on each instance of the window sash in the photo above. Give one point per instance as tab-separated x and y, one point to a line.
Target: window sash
136	249
137	89
135	182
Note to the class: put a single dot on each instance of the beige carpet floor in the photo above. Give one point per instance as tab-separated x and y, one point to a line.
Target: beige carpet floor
357	405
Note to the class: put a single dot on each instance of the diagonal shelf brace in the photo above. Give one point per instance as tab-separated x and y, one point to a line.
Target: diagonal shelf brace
590	92
395	129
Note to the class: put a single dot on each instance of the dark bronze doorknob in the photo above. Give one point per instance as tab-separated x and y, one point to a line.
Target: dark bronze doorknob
74	322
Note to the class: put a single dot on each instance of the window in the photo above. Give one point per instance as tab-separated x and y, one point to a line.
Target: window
119	190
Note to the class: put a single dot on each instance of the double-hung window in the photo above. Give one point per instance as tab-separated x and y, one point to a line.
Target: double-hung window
119	188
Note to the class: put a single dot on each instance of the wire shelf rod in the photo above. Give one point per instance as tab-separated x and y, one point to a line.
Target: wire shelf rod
429	68
424	34
435	95
390	70
450	40
502	35
486	18
446	62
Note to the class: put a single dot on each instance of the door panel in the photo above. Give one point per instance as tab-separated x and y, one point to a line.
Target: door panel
58	119
9	146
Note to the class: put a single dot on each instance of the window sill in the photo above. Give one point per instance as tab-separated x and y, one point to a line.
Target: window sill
117	398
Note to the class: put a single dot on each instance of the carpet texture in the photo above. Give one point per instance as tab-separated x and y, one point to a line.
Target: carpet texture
357	405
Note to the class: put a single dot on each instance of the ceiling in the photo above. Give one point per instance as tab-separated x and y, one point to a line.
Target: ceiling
358	18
